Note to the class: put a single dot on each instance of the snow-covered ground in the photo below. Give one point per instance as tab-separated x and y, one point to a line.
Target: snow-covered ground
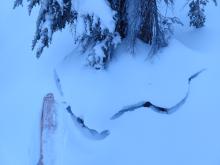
187	137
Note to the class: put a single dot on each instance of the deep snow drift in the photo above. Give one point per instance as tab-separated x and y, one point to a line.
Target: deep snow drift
187	137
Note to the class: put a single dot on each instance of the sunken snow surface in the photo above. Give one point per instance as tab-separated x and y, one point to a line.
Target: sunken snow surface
189	136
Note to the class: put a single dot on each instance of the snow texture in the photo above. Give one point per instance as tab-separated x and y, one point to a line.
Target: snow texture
190	136
157	108
88	132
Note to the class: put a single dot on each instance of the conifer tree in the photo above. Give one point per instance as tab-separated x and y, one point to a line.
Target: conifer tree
142	19
130	19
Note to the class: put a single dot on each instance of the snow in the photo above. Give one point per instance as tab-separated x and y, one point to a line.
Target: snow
99	8
188	136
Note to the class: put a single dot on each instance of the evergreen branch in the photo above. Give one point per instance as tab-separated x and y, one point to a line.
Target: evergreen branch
17	3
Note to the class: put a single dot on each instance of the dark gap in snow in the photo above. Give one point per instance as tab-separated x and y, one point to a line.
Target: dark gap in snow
88	132
148	104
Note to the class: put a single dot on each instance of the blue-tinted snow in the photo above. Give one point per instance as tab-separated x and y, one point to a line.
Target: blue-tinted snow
188	137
